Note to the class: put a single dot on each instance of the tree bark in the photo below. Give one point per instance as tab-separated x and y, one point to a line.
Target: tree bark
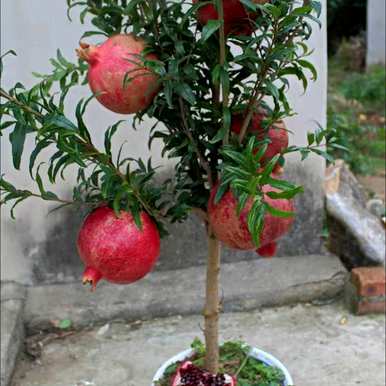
212	306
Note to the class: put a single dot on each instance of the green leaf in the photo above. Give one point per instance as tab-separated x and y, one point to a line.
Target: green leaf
220	135
277	212
286	194
227	117
49	196
65	324
324	154
255	221
60	121
280	184
249	4
17	139
209	29
242	200
261	152
135	211
5	185
39	147
184	90
270	166
222	189
293	70
309	66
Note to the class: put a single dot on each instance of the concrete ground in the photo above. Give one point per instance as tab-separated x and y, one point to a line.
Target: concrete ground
321	346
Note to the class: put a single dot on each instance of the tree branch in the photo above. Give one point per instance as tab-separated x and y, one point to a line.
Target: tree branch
257	97
26	108
225	93
203	161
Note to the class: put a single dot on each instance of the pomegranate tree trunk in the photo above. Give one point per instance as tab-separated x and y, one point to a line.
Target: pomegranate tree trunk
212	306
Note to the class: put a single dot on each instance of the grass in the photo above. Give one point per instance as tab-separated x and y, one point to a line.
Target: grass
356	107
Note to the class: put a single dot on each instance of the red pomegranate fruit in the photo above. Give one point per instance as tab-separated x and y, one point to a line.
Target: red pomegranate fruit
232	229
237	20
191	375
277	134
117	59
115	249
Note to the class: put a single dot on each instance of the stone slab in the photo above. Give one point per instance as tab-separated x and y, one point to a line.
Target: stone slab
245	286
12	328
321	346
356	235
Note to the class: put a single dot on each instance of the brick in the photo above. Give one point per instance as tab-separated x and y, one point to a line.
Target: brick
365	307
369	281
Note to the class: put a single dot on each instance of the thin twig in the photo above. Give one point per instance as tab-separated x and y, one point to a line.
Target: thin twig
257	97
20	104
203	161
225	93
30	194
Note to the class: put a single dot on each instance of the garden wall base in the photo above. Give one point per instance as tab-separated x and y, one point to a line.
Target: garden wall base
12	327
245	286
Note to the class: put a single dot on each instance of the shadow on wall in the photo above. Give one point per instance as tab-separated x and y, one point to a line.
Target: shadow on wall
56	260
187	246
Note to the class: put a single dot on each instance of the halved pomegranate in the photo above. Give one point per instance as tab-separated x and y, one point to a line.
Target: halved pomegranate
190	375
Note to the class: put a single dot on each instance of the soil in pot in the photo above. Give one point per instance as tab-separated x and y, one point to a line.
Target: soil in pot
235	361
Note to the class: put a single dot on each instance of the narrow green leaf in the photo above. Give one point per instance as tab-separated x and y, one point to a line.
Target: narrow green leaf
242	200
17	139
277	212
65	324
209	29
287	194
309	66
184	90
39	147
222	189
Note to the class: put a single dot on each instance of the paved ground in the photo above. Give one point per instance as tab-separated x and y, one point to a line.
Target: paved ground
321	345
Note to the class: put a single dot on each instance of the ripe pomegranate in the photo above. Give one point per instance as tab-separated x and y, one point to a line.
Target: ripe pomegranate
115	249
277	134
233	230
237	20
190	375
119	57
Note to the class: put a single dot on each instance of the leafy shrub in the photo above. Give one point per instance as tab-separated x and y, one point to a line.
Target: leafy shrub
362	141
351	53
368	88
356	110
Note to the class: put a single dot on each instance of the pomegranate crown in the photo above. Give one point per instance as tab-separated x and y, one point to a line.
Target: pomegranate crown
87	52
91	276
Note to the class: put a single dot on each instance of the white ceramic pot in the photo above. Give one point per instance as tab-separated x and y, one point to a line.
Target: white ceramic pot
264	357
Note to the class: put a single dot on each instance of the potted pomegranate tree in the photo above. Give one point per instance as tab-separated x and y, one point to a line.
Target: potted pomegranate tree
214	76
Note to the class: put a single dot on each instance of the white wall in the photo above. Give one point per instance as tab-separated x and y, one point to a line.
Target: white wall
376	30
35	30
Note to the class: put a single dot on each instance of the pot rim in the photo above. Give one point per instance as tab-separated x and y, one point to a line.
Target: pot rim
261	355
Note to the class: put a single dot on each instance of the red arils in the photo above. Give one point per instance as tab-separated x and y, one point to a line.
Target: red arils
190	375
115	249
116	60
232	229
